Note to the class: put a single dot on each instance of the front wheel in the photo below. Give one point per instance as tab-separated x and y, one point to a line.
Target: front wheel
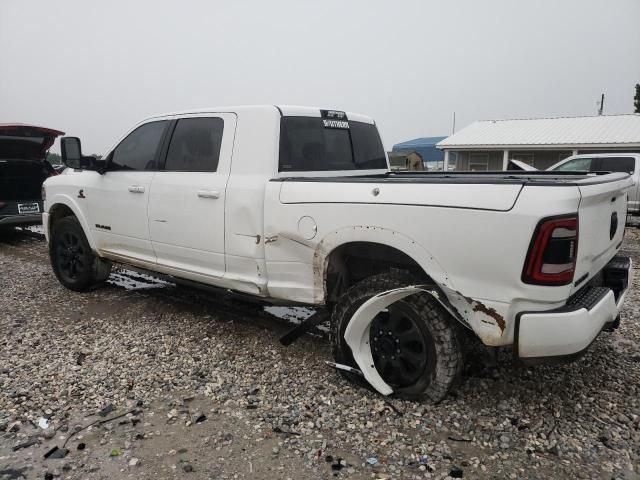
414	341
73	262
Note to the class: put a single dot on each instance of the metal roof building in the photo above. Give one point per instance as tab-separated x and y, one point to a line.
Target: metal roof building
541	142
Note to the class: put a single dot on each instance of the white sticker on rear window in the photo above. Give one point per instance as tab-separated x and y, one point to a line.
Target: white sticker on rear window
335	124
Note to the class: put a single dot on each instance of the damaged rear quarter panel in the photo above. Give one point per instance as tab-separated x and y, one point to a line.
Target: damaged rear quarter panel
308	259
474	256
486	319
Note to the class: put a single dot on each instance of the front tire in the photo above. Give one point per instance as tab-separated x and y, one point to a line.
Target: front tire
73	262
414	341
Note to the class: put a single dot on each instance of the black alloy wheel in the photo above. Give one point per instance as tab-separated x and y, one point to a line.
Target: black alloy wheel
401	351
414	342
71	259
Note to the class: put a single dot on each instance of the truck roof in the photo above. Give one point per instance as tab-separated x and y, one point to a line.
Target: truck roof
285	110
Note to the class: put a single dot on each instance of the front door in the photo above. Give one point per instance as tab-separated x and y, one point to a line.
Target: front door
118	199
186	204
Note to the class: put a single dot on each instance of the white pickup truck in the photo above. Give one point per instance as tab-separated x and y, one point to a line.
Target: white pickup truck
296	205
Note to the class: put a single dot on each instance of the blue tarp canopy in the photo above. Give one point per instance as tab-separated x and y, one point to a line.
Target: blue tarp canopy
426	147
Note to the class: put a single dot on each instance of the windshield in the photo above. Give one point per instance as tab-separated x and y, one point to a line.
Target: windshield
312	144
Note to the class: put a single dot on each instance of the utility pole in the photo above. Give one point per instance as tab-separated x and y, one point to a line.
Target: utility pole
601	103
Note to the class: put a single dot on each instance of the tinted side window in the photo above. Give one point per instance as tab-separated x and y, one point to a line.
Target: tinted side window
139	150
195	145
576	165
617	164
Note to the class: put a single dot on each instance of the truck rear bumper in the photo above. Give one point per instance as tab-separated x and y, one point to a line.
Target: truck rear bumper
15	220
15	212
563	334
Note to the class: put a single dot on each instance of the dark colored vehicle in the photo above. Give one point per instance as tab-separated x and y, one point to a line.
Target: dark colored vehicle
23	169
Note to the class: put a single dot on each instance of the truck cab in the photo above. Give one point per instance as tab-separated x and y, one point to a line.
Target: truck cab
184	193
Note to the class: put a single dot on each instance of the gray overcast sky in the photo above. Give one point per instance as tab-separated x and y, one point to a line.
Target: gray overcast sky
94	68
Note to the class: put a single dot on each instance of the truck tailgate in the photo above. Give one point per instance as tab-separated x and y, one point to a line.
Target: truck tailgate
602	216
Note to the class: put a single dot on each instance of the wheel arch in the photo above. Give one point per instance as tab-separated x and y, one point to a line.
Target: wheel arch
361	251
63	206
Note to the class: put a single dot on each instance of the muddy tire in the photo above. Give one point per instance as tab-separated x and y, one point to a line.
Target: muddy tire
73	262
430	359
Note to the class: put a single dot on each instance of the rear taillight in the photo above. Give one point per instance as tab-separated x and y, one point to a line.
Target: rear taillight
551	259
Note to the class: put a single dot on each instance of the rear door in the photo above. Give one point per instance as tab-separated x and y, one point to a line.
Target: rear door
186	205
118	199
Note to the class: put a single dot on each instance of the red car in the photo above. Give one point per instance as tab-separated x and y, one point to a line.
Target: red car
23	169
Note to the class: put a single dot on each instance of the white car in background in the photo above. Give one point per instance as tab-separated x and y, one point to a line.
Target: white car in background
607	162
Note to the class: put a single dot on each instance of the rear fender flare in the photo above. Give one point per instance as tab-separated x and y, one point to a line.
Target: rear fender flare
373	234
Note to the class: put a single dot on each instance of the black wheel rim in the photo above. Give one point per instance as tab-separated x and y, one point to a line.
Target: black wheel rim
400	348
70	255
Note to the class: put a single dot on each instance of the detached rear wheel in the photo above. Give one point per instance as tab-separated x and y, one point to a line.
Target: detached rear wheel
73	262
414	341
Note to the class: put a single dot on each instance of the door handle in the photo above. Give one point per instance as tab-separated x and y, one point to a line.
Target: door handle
136	188
208	193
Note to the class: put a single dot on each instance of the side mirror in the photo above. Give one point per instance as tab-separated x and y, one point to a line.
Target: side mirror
71	152
72	157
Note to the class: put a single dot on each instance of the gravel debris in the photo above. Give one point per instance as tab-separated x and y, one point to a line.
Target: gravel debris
269	411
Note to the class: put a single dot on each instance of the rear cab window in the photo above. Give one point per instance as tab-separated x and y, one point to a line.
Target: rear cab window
329	143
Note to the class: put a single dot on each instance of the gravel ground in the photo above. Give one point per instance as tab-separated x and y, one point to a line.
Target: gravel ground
210	393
